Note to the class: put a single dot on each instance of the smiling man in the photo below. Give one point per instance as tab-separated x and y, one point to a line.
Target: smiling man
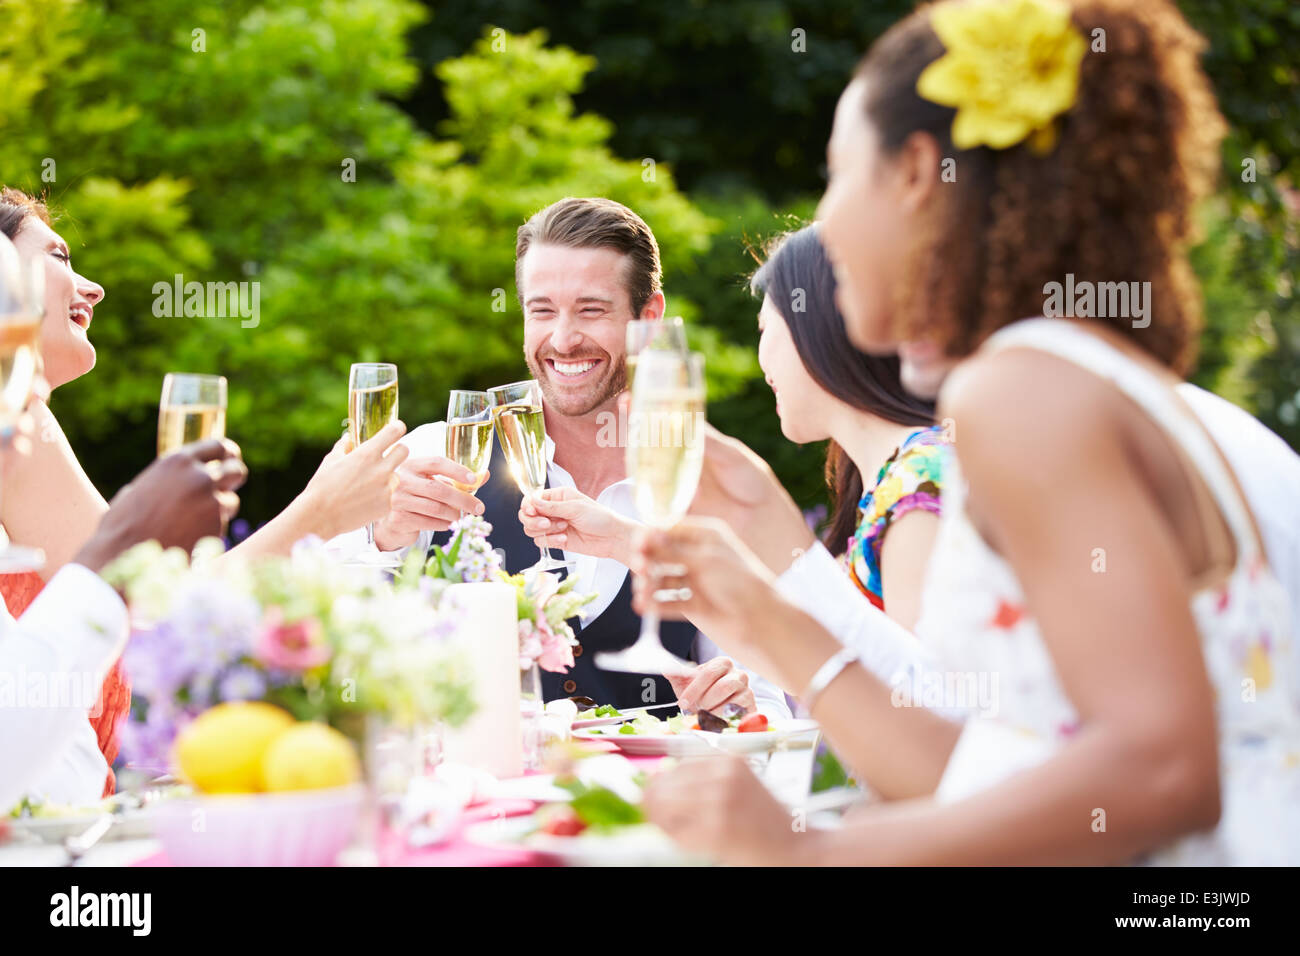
583	268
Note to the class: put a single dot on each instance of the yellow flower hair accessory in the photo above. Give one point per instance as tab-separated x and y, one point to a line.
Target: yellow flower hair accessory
1010	68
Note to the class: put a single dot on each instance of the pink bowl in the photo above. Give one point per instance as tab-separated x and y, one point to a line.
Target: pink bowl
298	828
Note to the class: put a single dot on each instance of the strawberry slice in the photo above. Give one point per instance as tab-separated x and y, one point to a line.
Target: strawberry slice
754	723
564	823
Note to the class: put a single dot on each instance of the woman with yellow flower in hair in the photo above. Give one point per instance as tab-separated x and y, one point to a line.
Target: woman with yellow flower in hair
1096	568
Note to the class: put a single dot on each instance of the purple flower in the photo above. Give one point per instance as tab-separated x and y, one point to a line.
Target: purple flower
147	743
242	683
476	561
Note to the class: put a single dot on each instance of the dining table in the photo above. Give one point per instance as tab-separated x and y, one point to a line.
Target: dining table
787	771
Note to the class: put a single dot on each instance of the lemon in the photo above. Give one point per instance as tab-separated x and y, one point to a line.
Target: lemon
222	750
310	757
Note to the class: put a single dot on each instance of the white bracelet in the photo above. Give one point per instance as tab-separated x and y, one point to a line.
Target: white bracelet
832	669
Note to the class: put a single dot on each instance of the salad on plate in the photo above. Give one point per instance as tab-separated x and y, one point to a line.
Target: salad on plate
600	824
737	722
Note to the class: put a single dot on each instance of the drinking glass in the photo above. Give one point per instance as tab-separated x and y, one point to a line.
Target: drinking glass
192	408
665	455
521	429
469	435
372	404
22	305
659	334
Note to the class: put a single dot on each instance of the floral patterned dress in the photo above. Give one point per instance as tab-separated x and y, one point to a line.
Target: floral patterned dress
911	480
974	615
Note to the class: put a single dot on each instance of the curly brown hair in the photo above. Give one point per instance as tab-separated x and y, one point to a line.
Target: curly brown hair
1112	202
15	208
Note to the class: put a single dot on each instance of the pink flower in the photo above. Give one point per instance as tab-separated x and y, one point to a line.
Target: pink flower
557	652
542	588
530	646
294	647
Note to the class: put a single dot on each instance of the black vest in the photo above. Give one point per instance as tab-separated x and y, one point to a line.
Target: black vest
616	627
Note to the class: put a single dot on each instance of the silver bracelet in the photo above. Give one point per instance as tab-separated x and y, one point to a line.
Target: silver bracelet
832	669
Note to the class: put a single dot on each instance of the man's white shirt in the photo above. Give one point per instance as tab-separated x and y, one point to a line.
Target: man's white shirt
51	659
604	576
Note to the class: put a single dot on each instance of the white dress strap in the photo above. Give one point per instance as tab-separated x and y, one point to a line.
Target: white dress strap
1064	339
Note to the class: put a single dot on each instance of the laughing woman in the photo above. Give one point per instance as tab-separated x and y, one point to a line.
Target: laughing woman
49	502
1096	556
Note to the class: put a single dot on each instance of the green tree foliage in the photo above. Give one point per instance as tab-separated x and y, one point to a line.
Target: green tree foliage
1249	263
727	93
737	93
233	168
211	139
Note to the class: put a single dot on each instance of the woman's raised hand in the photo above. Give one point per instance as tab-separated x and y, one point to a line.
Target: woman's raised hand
740	488
354	485
715	581
566	518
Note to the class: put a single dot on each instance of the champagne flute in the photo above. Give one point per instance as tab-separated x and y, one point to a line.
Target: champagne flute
22	305
521	429
372	404
469	435
192	408
662	334
665	456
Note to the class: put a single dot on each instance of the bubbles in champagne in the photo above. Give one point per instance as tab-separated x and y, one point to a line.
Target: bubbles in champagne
665	451
19	360
470	444
182	424
370	409
522	431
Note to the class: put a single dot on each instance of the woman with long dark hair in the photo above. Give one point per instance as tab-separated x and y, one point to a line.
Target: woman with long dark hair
827	389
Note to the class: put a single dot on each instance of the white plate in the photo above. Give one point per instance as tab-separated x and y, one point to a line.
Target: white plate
599	722
132	825
697	742
641	845
631	713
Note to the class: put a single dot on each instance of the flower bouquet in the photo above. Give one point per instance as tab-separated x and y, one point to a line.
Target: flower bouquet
304	633
546	604
259	679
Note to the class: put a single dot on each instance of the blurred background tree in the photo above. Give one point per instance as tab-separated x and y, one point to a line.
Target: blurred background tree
212	141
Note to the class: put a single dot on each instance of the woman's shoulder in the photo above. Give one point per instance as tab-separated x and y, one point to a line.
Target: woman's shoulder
924	452
921	457
1020	396
913	475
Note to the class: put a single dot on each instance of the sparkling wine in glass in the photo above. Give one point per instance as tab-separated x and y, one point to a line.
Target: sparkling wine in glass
521	429
372	404
22	306
469	435
665	456
192	408
660	334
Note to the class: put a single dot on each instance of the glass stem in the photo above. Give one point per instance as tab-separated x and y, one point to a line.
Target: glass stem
649	628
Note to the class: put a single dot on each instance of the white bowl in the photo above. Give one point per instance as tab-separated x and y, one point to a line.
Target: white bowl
295	828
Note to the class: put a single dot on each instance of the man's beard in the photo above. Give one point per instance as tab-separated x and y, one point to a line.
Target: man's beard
575	405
